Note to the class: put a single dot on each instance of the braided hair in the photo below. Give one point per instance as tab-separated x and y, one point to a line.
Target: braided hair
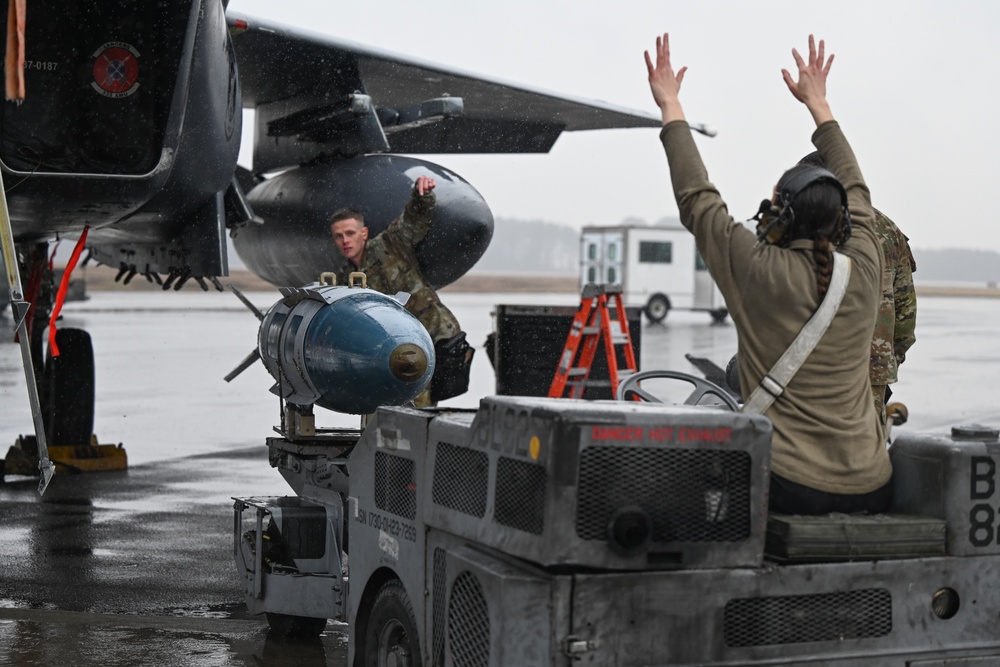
818	215
823	256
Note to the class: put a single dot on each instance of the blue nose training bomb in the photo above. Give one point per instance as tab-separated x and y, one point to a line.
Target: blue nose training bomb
346	349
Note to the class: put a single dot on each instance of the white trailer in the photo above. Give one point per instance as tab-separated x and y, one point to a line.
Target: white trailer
659	268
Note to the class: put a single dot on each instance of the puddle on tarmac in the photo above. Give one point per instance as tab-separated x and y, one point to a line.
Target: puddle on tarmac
73	640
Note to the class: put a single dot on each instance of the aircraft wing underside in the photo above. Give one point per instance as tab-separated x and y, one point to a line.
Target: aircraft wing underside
315	95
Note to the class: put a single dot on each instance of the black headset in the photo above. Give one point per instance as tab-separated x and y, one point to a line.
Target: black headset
775	221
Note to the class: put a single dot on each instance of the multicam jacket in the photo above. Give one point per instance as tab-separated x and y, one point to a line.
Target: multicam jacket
390	263
897	313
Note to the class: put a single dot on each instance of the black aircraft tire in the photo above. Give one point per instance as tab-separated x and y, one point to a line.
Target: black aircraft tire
69	390
657	308
391	629
286	625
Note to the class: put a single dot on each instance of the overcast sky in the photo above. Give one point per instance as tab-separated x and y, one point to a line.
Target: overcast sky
915	84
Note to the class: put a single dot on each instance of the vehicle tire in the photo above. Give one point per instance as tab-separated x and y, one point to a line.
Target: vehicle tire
719	315
286	625
391	634
657	308
69	390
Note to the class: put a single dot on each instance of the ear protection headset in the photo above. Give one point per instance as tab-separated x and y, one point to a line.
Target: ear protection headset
776	222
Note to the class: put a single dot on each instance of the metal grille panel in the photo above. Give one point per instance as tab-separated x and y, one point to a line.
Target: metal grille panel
796	619
468	623
691	495
395	486
520	495
437	639
461	477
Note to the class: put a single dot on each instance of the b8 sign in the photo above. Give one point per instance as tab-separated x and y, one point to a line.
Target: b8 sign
983	529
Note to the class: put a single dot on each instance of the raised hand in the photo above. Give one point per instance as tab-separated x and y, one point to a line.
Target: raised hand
664	83
810	89
423	185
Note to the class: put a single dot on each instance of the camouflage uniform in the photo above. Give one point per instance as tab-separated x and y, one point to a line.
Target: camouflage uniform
390	263
897	313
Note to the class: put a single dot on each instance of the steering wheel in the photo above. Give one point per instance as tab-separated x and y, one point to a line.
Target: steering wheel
701	388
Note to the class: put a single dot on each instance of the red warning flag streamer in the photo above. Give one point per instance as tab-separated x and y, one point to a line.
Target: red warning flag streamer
14	63
63	286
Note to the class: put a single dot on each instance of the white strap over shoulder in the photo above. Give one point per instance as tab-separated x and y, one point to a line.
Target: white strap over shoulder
773	384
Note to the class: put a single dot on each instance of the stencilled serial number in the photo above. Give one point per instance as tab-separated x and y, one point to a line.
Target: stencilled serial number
391	526
44	65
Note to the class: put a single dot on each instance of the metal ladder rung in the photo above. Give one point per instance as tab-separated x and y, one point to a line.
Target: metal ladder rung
588	383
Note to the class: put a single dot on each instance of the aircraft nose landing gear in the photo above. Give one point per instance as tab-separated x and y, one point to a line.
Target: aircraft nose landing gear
67	397
65	389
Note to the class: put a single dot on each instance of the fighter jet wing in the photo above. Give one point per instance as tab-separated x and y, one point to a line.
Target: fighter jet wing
316	95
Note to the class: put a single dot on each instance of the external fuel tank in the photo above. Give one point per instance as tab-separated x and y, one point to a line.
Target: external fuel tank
293	246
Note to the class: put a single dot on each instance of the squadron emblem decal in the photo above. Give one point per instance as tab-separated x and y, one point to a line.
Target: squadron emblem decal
116	70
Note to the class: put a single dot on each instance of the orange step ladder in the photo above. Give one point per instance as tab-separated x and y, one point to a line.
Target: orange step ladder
591	323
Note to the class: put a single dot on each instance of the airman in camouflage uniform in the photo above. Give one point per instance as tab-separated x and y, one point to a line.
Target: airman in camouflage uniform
390	261
897	313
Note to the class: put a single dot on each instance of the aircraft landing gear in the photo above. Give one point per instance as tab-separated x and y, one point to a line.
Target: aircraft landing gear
68	390
67	398
65	387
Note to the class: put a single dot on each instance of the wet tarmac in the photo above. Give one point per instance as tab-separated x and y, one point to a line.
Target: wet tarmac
135	568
